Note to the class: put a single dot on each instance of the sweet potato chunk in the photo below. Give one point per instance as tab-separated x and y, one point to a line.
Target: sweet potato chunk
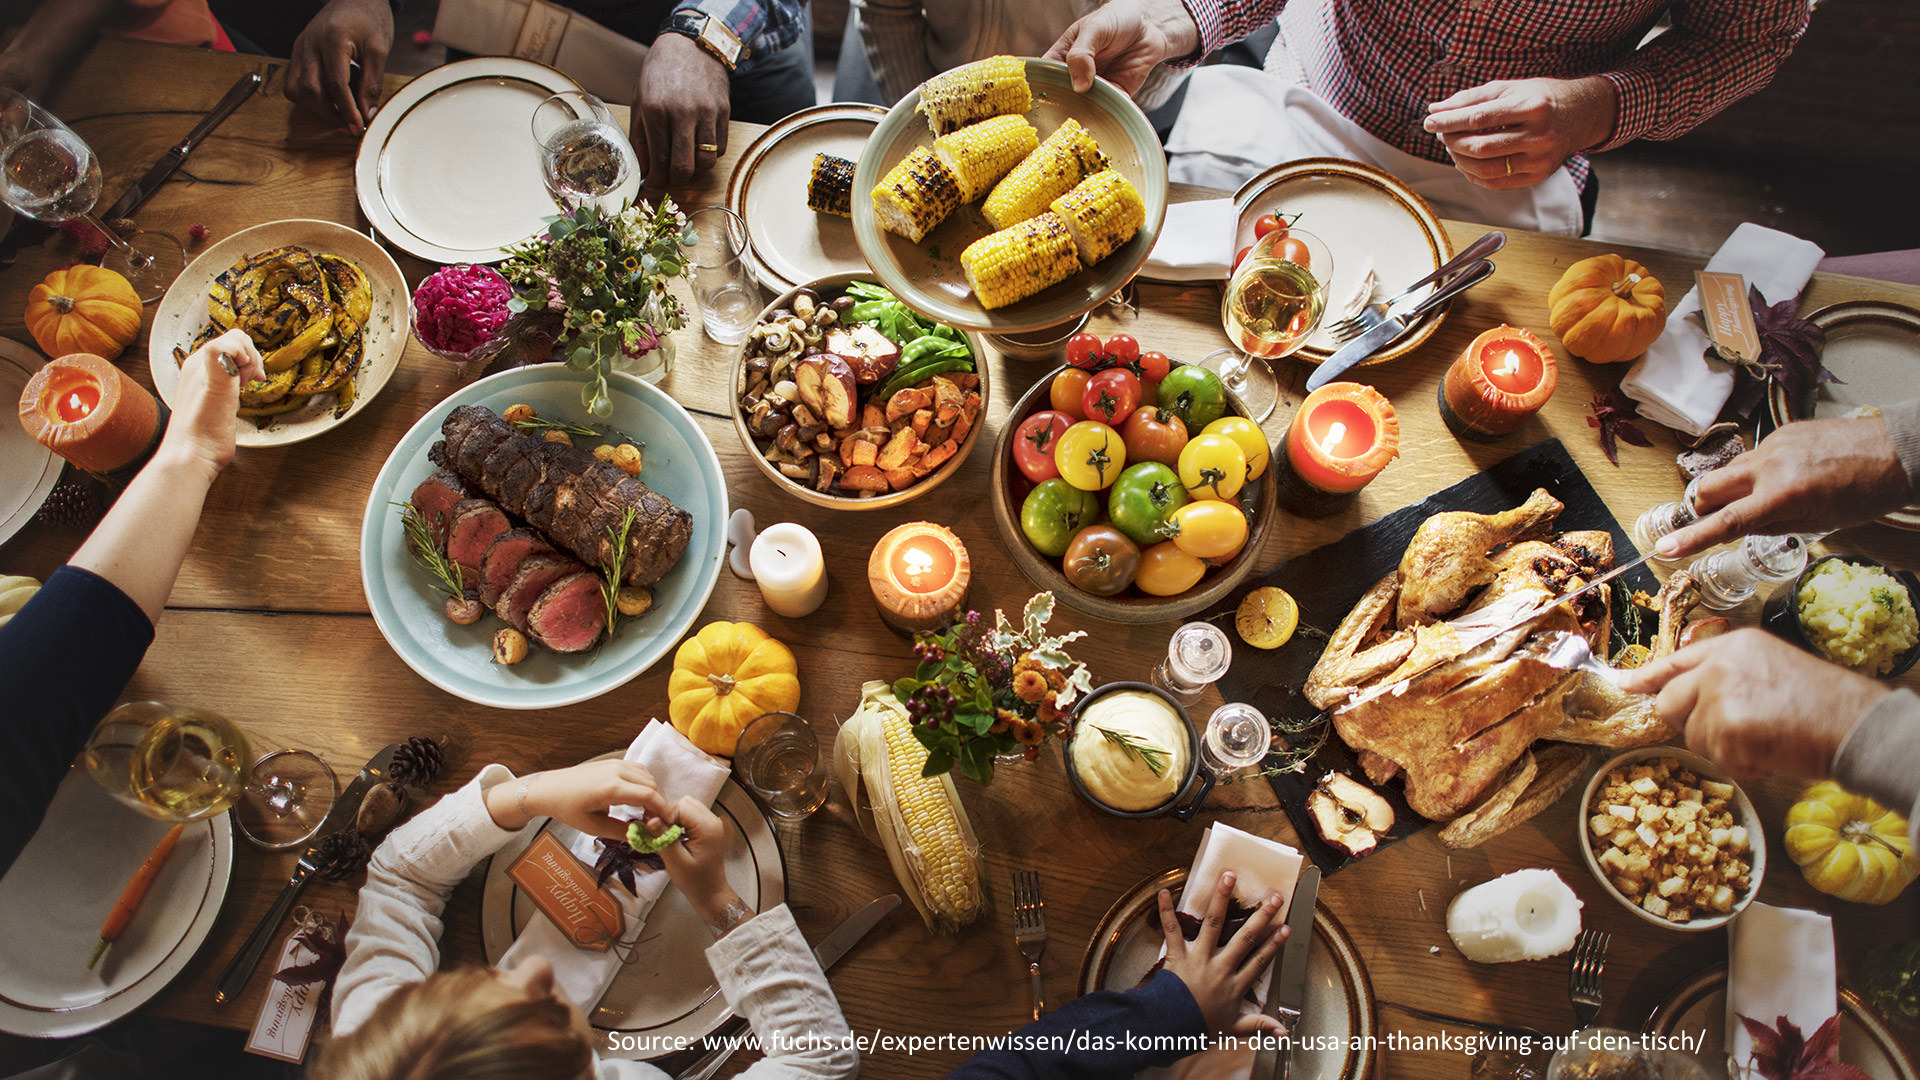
864	478
899	450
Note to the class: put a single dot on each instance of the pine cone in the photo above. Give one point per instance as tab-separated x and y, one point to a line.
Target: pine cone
73	504
417	762
342	855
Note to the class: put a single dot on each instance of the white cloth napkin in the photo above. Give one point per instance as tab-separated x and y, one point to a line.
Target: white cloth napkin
680	769
1675	383
1780	963
1196	242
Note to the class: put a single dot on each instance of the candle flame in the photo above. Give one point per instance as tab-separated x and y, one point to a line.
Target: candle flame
1335	432
918	562
1511	366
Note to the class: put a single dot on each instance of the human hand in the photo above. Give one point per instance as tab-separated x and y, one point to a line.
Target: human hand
1123	40
699	865
1513	133
1808	476
1755	704
579	796
680	103
1218	977
206	398
319	78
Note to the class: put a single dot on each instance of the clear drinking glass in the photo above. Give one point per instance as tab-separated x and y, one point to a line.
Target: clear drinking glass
1237	737
727	297
778	758
1273	303
50	174
584	156
1197	656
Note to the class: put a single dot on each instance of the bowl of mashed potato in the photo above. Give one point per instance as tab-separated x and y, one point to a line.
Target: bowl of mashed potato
1853	611
1134	753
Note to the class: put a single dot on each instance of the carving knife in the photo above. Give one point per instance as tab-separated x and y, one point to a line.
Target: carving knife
1287	993
345	809
1395	324
177	154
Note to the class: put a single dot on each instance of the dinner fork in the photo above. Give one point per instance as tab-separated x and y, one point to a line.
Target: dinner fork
1030	930
1369	316
1589	962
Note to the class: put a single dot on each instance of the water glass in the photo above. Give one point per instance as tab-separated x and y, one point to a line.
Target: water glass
728	299
584	156
778	759
1237	738
1197	656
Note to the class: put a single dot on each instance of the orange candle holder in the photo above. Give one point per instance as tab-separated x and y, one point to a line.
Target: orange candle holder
1340	439
1502	378
91	413
919	573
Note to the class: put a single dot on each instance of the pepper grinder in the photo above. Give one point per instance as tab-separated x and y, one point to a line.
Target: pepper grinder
1729	578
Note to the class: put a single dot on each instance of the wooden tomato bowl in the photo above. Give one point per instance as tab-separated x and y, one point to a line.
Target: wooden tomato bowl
1010	487
831	284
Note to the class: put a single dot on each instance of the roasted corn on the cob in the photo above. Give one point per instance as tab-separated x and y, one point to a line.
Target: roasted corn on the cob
1015	263
978	155
830	188
1101	213
974	92
916	195
1068	156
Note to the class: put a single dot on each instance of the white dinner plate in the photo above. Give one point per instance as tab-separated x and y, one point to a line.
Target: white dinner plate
182	314
666	991
27	470
1698	1008
790	243
58	892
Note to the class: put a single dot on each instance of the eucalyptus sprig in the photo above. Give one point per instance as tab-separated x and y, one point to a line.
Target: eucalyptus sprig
442	574
1153	757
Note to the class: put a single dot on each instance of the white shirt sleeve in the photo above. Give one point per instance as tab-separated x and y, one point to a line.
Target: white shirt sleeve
770	976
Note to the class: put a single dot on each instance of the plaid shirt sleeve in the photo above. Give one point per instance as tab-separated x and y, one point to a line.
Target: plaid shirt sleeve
1718	52
1223	22
765	26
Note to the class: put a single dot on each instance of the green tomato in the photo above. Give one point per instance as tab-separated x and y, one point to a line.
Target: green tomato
1053	512
1144	497
1194	394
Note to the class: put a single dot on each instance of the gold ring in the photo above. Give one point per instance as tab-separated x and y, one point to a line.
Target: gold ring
710	148
1509	164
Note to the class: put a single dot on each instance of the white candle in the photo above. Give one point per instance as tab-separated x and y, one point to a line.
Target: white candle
788	566
1525	915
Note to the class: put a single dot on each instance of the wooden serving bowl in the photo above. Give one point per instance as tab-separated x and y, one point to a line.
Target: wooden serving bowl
834	284
1010	488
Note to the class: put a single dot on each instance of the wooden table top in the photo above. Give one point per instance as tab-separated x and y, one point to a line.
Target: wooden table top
268	624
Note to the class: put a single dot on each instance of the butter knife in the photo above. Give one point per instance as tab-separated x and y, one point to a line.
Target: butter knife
177	155
1394	325
345	809
1287	993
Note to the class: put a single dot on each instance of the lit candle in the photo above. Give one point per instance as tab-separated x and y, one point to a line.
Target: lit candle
89	412
788	567
1525	915
1505	376
1341	438
919	573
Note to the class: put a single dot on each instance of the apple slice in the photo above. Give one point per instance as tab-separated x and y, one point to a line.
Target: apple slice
872	354
826	383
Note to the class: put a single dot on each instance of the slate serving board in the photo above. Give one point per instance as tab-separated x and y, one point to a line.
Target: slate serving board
1328	581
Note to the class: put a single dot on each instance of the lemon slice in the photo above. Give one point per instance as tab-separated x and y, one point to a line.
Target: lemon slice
1267	618
1632	656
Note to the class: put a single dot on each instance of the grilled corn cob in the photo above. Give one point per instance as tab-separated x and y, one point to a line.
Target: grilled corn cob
974	92
916	195
1101	213
830	188
978	155
1015	263
1068	156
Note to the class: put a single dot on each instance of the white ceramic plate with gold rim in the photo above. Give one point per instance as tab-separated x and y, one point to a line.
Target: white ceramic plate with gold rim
1697	1009
789	242
27	470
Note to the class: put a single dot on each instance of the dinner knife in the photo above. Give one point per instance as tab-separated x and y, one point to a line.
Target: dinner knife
177	155
1394	325
828	952
1287	993
345	809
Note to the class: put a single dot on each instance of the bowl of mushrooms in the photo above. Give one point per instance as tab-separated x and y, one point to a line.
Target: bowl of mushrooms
847	398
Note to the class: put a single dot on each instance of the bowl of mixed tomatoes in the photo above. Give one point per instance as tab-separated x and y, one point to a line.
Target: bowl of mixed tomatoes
1135	487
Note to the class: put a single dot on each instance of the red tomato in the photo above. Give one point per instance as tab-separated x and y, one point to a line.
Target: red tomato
1035	442
1068	389
1153	435
1154	366
1267	223
1085	351
1294	250
1242	257
1122	349
1111	396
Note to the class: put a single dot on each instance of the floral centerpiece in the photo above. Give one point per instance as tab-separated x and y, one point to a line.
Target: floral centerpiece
984	691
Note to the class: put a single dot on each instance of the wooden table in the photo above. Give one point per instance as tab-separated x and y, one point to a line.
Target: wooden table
268	624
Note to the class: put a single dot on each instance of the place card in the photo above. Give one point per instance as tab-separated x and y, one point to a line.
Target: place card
562	887
287	1015
1727	316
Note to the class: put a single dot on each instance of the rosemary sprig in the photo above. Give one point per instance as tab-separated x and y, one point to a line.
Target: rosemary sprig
537	424
445	576
615	569
1153	757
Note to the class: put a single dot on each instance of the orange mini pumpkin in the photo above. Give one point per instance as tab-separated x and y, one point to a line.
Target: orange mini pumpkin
1607	309
83	309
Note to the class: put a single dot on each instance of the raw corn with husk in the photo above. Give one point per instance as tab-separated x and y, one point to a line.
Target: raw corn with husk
919	820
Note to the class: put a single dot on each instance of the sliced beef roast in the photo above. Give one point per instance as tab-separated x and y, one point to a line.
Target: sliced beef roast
475	524
571	615
536	573
434	500
503	559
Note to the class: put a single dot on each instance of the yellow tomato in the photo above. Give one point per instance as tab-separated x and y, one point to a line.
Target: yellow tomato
1247	435
1209	529
1090	456
1165	570
1212	467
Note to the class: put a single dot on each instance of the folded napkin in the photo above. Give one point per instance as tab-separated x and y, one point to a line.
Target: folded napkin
1675	383
680	769
1196	242
1780	963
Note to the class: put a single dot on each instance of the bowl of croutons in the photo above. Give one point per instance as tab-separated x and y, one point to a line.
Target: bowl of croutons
1673	838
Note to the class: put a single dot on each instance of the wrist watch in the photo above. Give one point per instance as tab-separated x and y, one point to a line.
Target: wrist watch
713	35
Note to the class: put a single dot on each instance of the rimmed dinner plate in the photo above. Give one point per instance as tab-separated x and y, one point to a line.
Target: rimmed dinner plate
666	991
928	276
1875	348
1360	212
58	892
183	313
1338	1021
1698	1008
792	244
680	464
27	470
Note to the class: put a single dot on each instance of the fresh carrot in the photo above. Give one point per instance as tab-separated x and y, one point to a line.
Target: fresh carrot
136	890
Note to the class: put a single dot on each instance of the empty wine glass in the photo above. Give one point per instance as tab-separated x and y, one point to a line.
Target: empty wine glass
50	174
1272	305
584	156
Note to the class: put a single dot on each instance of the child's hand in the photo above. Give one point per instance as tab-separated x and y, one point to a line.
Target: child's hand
204	421
1218	975
699	865
579	796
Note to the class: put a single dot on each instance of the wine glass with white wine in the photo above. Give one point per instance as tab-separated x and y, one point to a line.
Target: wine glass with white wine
584	156
50	174
1272	305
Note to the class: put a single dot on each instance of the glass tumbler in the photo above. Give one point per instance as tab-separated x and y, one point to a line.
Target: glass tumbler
778	759
728	299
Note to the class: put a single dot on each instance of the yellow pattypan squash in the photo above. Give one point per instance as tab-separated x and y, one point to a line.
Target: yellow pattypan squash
83	309
1849	846
1607	309
723	678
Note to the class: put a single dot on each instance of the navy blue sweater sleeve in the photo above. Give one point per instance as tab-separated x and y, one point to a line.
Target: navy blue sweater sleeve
1088	1037
64	659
